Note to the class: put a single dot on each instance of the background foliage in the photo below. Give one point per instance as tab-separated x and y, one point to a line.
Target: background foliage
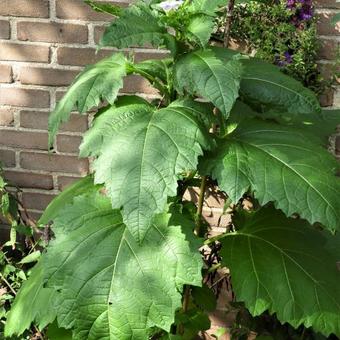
282	32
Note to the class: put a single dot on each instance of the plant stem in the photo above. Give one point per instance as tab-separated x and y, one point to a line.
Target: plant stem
228	21
185	306
198	228
8	284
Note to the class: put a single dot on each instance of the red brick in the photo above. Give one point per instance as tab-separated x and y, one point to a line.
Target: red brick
29	180
21	52
328	70
24	139
98	33
24	97
78	10
327	99
24	8
6	117
337	145
36	201
4	29
138	84
68	144
39	120
328	49
53	162
7	158
146	55
324	26
46	76
327	4
6	74
52	32
85	56
65	181
80	56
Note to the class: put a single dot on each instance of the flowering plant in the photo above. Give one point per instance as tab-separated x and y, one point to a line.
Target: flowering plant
284	33
131	257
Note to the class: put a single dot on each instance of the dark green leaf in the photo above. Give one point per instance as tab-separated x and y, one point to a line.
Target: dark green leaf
285	266
263	83
120	289
138	170
278	164
204	298
56	333
66	197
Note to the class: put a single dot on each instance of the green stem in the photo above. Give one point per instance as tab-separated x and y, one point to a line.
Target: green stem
8	285
158	85
198	228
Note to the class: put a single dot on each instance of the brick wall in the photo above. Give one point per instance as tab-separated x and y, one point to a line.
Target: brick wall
43	45
329	46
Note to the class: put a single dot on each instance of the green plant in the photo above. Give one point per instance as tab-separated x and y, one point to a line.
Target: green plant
124	261
279	34
16	255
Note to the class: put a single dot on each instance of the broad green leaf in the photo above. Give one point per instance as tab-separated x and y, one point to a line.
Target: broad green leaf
101	7
285	266
137	26
142	152
33	304
201	73
101	81
318	126
278	164
264	84
120	289
199	29
66	197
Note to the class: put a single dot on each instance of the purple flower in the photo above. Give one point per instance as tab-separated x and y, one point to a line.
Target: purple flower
170	5
288	57
284	60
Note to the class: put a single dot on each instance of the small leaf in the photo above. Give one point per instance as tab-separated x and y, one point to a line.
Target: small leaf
199	29
111	9
208	7
201	73
285	266
33	303
33	257
146	28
